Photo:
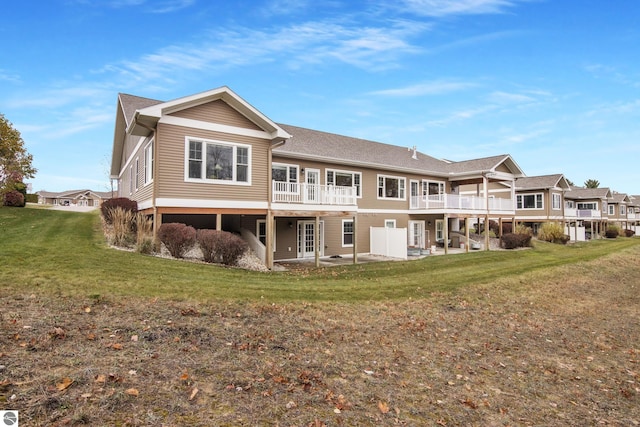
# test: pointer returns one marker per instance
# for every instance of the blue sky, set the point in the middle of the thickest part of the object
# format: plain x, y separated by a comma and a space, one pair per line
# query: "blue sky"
556, 84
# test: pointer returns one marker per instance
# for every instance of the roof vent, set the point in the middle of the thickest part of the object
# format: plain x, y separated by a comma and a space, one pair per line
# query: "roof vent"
415, 152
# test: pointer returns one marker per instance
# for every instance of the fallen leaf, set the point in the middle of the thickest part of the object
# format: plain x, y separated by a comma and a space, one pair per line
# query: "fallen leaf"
132, 392
101, 379
64, 384
193, 393
134, 338
87, 310
384, 407
117, 346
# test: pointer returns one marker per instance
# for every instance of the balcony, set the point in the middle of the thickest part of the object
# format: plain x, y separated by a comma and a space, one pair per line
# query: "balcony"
457, 202
313, 194
582, 213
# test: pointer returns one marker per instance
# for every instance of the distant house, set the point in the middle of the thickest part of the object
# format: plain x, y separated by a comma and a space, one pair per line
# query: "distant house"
588, 206
617, 207
73, 198
540, 199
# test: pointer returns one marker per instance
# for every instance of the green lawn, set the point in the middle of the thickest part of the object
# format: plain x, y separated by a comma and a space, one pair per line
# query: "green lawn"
65, 253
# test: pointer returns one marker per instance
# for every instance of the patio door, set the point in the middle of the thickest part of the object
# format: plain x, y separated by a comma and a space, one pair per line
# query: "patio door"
416, 234
312, 178
307, 239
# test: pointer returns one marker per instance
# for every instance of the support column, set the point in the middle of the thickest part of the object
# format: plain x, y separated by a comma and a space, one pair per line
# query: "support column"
268, 252
219, 221
466, 234
446, 234
486, 232
317, 241
355, 239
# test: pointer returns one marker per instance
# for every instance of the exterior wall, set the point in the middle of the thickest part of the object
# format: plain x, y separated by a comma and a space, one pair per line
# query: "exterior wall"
547, 213
217, 112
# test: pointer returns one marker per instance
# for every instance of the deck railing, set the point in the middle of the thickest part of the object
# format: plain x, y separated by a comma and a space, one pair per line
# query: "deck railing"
455, 201
313, 194
582, 213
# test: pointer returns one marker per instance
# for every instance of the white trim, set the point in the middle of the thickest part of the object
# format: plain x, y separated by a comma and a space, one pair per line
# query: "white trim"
210, 203
345, 171
146, 204
312, 207
133, 154
539, 217
399, 178
214, 127
390, 221
535, 201
148, 168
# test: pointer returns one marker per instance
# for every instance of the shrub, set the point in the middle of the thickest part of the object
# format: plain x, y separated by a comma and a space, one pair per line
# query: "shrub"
515, 240
612, 232
13, 198
221, 246
121, 202
553, 232
177, 237
122, 225
629, 233
507, 227
32, 198
522, 229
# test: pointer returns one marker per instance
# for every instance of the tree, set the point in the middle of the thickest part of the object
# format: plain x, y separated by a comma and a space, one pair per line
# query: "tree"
15, 161
592, 183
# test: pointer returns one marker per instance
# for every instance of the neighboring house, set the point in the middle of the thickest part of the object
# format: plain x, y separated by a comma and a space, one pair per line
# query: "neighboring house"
617, 206
212, 160
540, 199
633, 213
73, 198
588, 206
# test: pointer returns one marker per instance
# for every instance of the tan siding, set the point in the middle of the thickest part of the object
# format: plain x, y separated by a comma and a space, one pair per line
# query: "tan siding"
171, 162
217, 112
534, 212
503, 168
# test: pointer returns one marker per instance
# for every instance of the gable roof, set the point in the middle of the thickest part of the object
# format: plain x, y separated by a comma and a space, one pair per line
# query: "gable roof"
74, 194
618, 198
317, 145
542, 182
582, 193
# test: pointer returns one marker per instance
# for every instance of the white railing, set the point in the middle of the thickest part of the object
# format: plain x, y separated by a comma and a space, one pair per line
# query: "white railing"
582, 213
455, 201
632, 215
313, 194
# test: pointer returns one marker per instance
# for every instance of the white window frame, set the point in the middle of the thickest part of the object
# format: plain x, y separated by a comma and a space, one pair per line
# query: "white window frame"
556, 201
402, 187
264, 222
130, 179
330, 179
623, 210
390, 223
137, 180
205, 143
612, 209
520, 201
148, 163
352, 233
289, 167
587, 206
425, 189
439, 230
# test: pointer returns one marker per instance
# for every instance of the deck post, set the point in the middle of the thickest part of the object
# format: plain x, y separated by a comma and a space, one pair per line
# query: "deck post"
355, 239
445, 240
317, 241
466, 234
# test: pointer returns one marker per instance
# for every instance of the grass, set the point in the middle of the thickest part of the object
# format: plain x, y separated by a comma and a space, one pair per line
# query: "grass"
65, 253
95, 336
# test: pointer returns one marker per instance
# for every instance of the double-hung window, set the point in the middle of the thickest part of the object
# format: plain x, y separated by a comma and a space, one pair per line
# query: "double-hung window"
217, 161
148, 163
347, 233
391, 187
286, 175
342, 178
555, 201
529, 201
586, 206
623, 210
612, 209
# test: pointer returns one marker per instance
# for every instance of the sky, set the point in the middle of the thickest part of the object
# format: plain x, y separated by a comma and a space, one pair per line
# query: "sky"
553, 83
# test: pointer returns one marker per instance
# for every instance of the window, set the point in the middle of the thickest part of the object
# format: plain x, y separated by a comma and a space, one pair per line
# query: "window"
137, 173
529, 201
588, 206
148, 163
347, 233
131, 179
432, 190
623, 210
284, 173
390, 223
612, 209
391, 187
217, 161
341, 178
569, 204
556, 201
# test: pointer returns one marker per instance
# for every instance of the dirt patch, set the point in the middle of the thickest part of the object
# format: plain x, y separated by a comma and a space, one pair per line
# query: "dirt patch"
559, 352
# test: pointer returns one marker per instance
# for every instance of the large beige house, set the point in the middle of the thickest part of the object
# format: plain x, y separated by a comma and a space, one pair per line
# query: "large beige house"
212, 160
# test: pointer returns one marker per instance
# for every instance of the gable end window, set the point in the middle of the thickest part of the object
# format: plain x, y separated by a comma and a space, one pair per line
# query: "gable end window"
217, 161
529, 201
391, 187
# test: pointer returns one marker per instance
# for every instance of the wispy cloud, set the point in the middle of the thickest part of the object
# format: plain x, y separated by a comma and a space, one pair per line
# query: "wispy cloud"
440, 8
461, 115
6, 76
436, 87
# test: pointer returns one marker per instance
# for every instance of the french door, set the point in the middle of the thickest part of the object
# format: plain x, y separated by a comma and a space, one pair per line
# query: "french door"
307, 239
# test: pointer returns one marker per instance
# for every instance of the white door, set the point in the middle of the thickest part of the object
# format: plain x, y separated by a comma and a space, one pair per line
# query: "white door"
416, 234
307, 239
312, 178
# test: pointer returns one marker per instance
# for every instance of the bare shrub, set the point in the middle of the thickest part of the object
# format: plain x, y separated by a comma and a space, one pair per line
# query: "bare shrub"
515, 240
221, 246
177, 237
144, 234
629, 233
612, 231
122, 202
14, 198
